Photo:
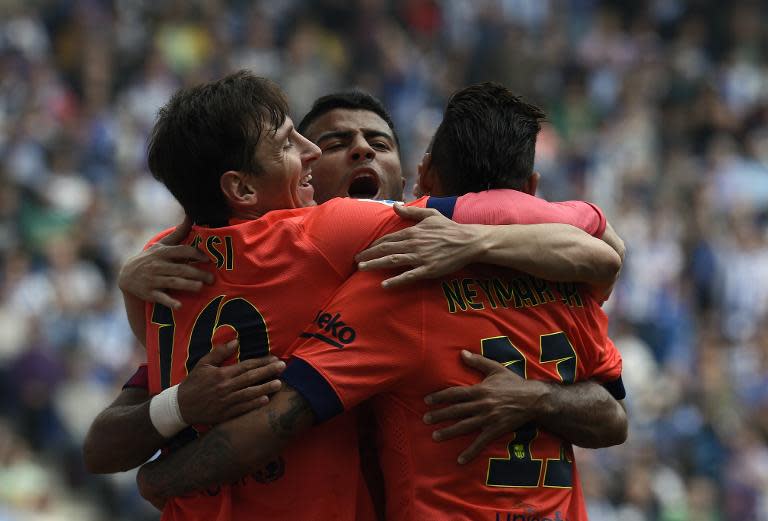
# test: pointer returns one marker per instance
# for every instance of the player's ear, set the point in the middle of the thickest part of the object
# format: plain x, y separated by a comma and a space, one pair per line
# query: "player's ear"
427, 177
238, 188
531, 184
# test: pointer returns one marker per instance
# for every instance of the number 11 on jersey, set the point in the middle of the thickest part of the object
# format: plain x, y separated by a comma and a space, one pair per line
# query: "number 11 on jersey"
520, 468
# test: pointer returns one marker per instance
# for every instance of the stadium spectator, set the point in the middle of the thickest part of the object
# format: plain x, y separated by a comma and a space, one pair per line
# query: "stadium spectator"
663, 125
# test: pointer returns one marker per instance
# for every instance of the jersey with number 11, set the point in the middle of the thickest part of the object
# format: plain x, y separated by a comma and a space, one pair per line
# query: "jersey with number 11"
406, 344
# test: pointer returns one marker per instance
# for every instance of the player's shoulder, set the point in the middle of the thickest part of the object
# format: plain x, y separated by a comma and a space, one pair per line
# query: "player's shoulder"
158, 237
498, 196
347, 210
249, 231
385, 202
348, 202
488, 199
287, 216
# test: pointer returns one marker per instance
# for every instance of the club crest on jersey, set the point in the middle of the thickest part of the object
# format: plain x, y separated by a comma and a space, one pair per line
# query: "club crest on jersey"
332, 330
519, 451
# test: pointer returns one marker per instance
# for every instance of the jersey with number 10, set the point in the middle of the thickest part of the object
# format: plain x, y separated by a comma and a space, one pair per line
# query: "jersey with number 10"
272, 274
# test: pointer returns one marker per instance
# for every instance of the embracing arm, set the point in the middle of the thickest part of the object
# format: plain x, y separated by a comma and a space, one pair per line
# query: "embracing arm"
611, 238
614, 241
584, 413
123, 436
229, 451
550, 251
164, 266
437, 246
134, 309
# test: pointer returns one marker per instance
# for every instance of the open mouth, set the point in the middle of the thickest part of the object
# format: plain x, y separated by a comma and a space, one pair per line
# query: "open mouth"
364, 186
305, 192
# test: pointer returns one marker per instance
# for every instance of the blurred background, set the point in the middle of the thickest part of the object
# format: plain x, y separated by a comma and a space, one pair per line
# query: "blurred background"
658, 112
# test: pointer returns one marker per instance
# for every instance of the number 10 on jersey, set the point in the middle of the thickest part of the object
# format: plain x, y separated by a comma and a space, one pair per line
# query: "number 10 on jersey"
237, 313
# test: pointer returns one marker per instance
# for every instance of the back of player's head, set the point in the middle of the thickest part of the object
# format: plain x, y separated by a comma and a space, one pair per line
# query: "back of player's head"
487, 140
350, 100
207, 130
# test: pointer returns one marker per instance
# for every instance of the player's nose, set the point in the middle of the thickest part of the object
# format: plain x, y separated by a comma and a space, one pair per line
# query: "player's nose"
360, 149
310, 151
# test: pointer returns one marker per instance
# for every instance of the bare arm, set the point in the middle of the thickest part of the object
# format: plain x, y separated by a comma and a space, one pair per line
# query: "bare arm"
551, 251
134, 309
229, 451
614, 241
583, 413
438, 246
122, 436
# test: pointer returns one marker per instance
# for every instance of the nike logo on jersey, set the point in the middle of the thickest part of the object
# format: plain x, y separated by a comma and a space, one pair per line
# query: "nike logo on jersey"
333, 330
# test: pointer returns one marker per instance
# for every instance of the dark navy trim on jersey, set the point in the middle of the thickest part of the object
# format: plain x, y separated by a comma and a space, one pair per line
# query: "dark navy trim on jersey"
444, 205
616, 388
139, 380
314, 388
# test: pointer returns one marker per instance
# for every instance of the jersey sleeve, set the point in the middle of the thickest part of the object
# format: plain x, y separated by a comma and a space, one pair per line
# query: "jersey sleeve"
581, 214
514, 207
607, 369
341, 228
350, 352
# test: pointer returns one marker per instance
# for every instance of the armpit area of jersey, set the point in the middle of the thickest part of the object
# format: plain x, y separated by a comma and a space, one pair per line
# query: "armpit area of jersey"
616, 388
139, 380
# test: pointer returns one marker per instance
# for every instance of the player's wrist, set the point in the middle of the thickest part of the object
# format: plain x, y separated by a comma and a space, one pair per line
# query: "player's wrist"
546, 403
485, 242
165, 413
190, 404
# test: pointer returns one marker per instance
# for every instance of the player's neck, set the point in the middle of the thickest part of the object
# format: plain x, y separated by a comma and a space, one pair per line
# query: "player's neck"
248, 214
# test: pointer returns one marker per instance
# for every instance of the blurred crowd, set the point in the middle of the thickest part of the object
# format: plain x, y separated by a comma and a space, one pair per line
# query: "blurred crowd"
657, 111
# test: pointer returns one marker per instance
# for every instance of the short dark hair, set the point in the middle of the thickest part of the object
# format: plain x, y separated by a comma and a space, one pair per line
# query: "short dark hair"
487, 140
206, 130
353, 100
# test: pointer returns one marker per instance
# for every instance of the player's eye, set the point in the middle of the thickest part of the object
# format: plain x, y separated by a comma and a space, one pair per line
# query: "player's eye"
333, 146
380, 145
288, 144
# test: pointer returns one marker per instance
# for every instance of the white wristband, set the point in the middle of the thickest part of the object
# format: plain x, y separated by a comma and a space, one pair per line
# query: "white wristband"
165, 413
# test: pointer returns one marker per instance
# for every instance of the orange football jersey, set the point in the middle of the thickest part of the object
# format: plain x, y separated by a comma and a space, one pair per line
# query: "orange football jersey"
272, 274
404, 344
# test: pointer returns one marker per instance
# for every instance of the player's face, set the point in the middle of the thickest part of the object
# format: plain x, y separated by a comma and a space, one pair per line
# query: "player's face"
360, 158
286, 159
